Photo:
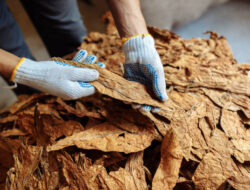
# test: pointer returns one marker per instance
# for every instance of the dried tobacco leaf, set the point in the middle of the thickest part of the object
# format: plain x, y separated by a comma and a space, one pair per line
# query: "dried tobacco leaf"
108, 181
233, 102
25, 103
132, 177
107, 137
241, 178
12, 132
135, 174
56, 128
75, 176
232, 126
213, 171
208, 76
8, 119
81, 112
167, 174
26, 162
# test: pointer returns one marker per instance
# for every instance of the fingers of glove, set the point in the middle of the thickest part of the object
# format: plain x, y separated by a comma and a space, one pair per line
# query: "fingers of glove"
91, 59
80, 55
100, 64
157, 77
79, 89
155, 109
146, 108
82, 74
159, 86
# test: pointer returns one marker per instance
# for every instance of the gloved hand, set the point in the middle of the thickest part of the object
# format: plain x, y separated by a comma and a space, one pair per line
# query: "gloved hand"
58, 78
143, 65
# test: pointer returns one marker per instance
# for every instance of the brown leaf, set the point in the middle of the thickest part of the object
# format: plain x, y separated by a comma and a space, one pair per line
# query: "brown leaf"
75, 177
213, 171
12, 132
26, 162
20, 105
135, 173
166, 175
241, 178
8, 119
132, 177
56, 128
81, 112
232, 125
108, 137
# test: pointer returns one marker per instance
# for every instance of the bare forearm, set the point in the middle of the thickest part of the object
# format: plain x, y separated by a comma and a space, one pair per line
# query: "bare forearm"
8, 62
128, 17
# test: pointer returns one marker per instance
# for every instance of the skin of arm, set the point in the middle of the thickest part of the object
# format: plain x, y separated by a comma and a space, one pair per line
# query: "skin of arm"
8, 62
128, 17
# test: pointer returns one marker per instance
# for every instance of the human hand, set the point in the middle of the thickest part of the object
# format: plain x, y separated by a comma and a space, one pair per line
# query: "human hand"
143, 64
58, 78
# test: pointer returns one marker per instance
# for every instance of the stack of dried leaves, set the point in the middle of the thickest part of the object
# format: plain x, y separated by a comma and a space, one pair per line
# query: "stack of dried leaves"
200, 138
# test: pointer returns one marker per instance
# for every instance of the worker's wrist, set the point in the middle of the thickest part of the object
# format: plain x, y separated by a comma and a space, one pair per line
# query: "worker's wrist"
135, 26
8, 62
133, 30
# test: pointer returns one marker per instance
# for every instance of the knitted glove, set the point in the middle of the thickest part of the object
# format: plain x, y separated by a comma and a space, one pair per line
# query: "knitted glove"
143, 64
57, 78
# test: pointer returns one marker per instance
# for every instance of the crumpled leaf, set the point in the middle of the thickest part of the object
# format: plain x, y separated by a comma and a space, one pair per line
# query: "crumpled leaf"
131, 177
26, 163
81, 112
213, 171
12, 132
56, 128
241, 178
135, 174
167, 174
107, 137
75, 176
26, 102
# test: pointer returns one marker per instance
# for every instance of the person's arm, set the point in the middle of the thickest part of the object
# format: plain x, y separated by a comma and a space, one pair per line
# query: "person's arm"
8, 62
128, 17
142, 62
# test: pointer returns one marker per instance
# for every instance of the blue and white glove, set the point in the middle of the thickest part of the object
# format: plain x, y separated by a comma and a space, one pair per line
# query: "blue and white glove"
57, 78
143, 65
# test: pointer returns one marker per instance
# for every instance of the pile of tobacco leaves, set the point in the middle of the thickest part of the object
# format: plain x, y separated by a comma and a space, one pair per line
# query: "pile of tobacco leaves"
200, 138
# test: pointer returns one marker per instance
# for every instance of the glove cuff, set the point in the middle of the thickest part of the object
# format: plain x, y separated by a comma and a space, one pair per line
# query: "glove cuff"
139, 43
25, 72
15, 69
124, 39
